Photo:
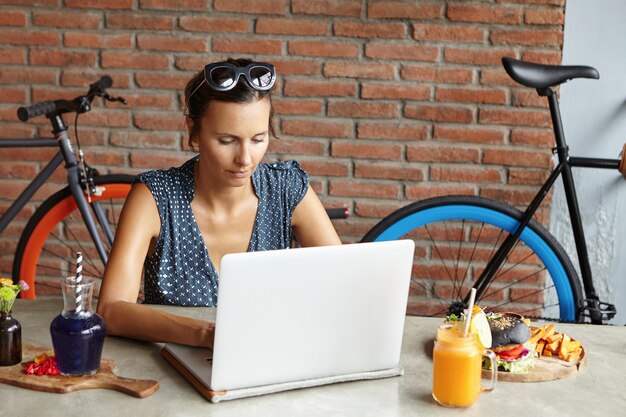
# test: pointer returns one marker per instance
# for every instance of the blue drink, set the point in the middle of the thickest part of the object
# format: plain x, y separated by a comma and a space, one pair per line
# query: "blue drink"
77, 333
78, 339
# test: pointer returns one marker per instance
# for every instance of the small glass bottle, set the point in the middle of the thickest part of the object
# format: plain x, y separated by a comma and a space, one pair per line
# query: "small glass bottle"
10, 340
457, 367
78, 332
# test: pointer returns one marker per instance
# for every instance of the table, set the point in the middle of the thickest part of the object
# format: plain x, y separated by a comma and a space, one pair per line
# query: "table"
598, 390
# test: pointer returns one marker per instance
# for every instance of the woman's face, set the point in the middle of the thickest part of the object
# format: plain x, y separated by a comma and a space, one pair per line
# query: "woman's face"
233, 139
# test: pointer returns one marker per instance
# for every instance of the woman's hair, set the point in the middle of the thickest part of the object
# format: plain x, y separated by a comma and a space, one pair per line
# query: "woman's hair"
197, 102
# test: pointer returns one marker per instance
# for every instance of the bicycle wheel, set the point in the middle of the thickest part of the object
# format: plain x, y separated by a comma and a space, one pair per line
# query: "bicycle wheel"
456, 236
47, 248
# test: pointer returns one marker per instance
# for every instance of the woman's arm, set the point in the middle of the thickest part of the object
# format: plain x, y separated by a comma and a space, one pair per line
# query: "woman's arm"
136, 234
311, 224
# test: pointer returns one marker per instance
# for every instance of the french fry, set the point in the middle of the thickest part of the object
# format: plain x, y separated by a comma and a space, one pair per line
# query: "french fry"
548, 342
564, 348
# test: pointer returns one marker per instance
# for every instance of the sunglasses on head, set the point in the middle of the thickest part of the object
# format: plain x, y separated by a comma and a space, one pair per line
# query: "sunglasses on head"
223, 76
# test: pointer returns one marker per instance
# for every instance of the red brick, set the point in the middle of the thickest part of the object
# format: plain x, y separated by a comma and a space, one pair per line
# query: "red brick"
92, 40
544, 17
376, 210
114, 59
82, 78
395, 50
375, 110
508, 195
160, 121
155, 101
214, 24
370, 30
438, 113
297, 67
327, 7
195, 62
465, 174
12, 18
424, 153
316, 128
162, 81
251, 7
404, 10
73, 20
139, 21
174, 4
326, 168
539, 2
368, 151
172, 43
312, 88
527, 37
496, 77
20, 75
106, 118
100, 4
29, 37
437, 75
144, 140
470, 95
352, 70
395, 91
491, 56
514, 117
290, 26
16, 131
464, 34
528, 97
247, 45
533, 137
62, 58
427, 190
543, 57
12, 56
387, 171
479, 13
297, 107
297, 147
469, 134
515, 157
27, 154
155, 160
527, 177
18, 170
361, 189
395, 131
13, 94
323, 49
48, 93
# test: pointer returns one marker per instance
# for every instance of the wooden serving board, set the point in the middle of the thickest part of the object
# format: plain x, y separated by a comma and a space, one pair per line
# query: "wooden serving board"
104, 378
545, 369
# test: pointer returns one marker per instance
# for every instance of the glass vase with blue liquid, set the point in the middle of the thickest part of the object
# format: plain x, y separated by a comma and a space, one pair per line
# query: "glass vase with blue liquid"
78, 332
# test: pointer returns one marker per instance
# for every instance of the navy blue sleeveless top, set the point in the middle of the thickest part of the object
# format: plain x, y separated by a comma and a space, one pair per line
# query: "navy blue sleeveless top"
180, 271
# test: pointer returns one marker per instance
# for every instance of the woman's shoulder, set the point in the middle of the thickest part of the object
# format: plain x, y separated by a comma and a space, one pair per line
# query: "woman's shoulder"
280, 168
166, 176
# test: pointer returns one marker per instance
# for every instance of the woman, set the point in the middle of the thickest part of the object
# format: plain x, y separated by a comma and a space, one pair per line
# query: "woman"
182, 221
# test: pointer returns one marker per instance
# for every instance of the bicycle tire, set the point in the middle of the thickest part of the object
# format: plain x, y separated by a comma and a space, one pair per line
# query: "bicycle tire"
550, 275
46, 249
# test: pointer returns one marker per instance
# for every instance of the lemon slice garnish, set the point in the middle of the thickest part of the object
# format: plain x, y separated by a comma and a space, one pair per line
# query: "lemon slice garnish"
480, 326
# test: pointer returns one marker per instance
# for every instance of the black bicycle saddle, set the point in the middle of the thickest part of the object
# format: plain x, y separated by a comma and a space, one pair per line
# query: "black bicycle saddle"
544, 76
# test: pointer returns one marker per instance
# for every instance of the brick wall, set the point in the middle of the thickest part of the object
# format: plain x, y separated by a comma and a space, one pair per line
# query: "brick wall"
383, 102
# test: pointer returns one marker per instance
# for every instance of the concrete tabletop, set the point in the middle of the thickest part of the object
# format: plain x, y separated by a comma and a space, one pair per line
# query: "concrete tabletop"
597, 390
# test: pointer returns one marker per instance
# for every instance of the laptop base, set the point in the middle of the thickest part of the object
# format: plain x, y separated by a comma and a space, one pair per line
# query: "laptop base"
217, 396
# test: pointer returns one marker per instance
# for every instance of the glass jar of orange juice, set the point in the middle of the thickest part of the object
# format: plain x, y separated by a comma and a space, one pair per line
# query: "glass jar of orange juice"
457, 367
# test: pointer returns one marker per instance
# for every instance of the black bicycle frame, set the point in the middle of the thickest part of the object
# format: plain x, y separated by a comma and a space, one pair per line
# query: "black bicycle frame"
564, 169
66, 154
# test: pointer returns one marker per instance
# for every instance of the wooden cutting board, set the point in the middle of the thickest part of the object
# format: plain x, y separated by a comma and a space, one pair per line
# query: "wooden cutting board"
104, 378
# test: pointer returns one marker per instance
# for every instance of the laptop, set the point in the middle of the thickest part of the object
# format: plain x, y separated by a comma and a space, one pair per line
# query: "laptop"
303, 317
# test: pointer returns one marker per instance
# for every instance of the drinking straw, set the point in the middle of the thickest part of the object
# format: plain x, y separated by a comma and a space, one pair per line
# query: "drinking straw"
470, 308
79, 279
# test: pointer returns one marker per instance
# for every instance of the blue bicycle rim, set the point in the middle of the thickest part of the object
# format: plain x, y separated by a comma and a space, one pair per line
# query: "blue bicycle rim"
503, 221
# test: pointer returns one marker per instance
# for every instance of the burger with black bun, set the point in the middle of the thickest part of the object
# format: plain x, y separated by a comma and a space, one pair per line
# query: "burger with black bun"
509, 335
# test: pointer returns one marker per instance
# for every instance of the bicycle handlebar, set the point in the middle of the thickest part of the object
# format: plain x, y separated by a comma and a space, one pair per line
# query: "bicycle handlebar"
79, 104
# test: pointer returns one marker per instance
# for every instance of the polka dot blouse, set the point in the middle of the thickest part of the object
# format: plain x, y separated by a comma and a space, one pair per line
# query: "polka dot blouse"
180, 271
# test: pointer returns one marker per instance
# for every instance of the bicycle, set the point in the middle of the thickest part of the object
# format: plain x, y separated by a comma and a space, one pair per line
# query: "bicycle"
81, 216
512, 261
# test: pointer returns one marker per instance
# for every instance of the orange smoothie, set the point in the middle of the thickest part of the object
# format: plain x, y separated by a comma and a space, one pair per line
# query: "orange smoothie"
457, 364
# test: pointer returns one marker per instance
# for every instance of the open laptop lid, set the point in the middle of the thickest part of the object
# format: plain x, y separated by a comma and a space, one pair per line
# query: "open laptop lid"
306, 313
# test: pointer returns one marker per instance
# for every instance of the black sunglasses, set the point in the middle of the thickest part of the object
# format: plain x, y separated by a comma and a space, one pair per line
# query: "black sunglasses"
223, 76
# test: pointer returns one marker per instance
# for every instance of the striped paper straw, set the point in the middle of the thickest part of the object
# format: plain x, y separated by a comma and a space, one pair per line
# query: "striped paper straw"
79, 279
